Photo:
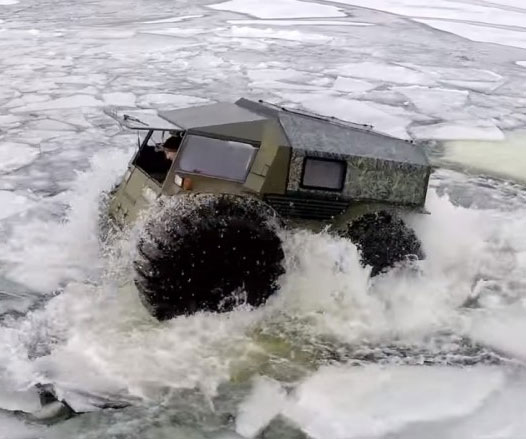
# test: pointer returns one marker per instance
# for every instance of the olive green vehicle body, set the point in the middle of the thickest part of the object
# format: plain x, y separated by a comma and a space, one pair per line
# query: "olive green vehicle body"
368, 171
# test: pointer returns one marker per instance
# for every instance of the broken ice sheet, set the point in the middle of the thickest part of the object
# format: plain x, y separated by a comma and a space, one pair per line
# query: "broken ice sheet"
460, 130
279, 8
383, 72
385, 118
437, 102
484, 34
13, 156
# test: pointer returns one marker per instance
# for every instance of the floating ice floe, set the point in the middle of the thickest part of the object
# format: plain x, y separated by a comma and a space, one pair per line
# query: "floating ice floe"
301, 22
13, 156
461, 130
173, 19
75, 101
279, 8
119, 99
521, 63
476, 22
456, 10
177, 100
383, 72
352, 85
8, 2
291, 35
177, 32
438, 102
12, 204
480, 33
385, 118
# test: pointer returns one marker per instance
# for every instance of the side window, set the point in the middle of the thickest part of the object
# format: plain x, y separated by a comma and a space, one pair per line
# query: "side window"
153, 158
226, 159
324, 174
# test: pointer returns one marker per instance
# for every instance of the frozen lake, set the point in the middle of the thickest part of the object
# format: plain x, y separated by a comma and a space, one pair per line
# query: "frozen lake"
334, 354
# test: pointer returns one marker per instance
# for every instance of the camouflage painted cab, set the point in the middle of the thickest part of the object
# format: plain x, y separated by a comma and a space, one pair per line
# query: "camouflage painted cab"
229, 173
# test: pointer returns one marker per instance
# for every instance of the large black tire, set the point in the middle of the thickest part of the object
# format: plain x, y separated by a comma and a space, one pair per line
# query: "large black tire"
384, 241
206, 252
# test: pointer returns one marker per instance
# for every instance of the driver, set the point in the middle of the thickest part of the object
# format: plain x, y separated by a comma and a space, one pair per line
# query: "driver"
171, 146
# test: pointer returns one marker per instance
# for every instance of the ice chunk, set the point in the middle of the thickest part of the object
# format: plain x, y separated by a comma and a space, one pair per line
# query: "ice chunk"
434, 101
448, 10
173, 19
49, 125
279, 8
385, 118
301, 22
120, 99
174, 100
485, 34
15, 155
8, 2
10, 120
502, 158
383, 72
355, 402
76, 101
352, 85
521, 63
12, 204
12, 398
461, 130
176, 32
291, 35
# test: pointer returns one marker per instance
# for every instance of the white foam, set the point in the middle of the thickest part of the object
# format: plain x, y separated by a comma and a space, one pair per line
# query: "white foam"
13, 156
461, 130
279, 8
12, 428
43, 253
266, 400
8, 2
485, 34
354, 402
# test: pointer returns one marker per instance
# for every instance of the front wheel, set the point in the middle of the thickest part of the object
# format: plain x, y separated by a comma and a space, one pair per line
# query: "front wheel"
207, 252
383, 240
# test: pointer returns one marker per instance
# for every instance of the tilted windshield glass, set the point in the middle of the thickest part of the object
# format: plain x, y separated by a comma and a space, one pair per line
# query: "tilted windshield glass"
217, 158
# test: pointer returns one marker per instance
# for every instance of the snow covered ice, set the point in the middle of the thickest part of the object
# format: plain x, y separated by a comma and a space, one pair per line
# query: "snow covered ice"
334, 355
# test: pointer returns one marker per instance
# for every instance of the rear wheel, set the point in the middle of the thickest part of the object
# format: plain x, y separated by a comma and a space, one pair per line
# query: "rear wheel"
208, 252
384, 240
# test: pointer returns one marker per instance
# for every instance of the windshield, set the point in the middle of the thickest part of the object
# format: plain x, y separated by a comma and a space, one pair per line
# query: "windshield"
225, 159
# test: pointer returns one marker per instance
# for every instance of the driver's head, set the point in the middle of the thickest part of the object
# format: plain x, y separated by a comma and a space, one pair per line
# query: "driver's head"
171, 146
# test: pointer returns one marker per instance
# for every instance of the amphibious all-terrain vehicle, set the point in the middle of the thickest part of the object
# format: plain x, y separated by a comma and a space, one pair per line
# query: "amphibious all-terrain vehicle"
225, 177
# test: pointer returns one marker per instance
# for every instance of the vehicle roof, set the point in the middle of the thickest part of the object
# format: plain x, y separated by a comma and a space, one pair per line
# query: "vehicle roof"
210, 115
303, 131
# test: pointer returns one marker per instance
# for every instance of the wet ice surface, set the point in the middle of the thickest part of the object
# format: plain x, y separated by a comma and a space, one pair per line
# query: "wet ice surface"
433, 355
